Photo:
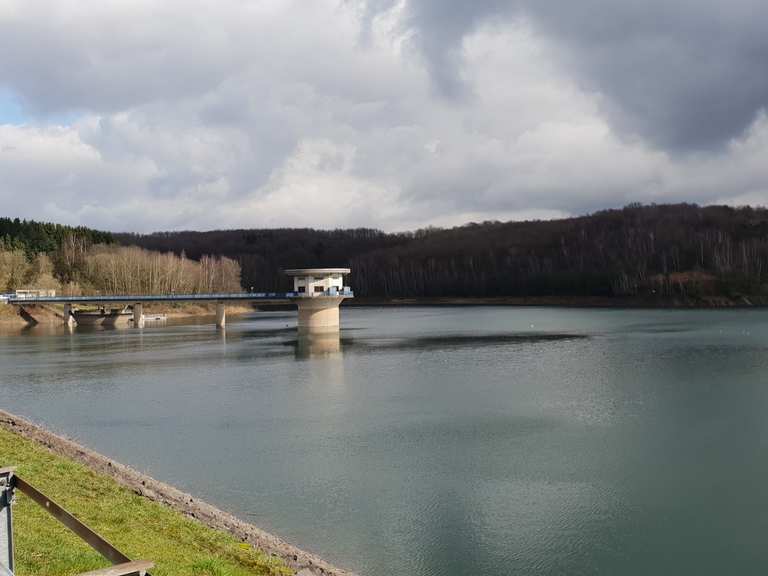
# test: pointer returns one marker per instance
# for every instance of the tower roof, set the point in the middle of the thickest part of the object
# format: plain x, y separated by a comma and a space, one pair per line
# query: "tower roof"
316, 271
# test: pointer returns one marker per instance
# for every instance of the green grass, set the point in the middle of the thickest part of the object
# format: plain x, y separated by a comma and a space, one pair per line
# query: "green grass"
142, 529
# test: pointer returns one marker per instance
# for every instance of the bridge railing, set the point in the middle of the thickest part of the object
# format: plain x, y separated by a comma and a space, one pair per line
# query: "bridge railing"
212, 297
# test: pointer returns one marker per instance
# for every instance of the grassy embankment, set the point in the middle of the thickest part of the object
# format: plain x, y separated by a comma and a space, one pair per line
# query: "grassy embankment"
142, 529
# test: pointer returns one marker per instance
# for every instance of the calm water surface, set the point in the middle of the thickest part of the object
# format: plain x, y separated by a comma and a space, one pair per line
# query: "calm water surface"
441, 441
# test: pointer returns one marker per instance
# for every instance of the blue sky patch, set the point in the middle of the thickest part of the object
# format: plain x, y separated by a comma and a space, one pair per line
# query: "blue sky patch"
10, 109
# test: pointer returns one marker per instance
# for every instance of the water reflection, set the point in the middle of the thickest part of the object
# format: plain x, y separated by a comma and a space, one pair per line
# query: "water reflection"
13, 329
440, 441
266, 332
318, 345
460, 340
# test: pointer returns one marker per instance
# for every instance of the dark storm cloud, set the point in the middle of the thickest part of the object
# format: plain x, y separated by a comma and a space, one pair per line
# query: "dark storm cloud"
682, 74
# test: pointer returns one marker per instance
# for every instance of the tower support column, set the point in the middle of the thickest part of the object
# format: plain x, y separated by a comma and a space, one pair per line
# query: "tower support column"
138, 315
221, 315
319, 314
69, 319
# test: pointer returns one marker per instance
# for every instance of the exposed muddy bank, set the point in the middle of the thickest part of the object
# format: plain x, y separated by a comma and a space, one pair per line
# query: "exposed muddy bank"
194, 309
303, 562
29, 315
53, 314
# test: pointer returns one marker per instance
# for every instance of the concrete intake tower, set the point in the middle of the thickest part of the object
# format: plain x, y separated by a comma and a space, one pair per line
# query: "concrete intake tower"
319, 293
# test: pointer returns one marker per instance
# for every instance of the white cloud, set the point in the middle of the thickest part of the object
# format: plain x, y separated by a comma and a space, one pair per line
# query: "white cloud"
206, 115
315, 187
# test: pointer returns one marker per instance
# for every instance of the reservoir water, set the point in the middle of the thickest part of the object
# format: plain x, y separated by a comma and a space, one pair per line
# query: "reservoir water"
440, 441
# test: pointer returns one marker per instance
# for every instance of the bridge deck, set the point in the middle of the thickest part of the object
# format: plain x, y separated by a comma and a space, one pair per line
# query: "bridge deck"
138, 298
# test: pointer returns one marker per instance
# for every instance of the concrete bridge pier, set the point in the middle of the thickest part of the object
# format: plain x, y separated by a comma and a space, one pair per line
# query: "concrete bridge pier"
319, 315
221, 315
69, 318
138, 315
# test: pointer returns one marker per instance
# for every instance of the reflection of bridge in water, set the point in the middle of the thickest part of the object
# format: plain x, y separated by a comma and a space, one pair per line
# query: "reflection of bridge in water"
318, 293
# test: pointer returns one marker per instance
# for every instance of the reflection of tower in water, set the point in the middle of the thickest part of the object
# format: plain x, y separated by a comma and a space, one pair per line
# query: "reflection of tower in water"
325, 358
318, 345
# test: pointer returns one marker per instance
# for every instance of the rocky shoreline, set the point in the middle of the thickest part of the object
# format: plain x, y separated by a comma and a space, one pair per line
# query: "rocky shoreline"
304, 563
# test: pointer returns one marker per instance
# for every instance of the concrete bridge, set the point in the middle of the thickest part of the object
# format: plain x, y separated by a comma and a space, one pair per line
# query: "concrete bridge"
318, 293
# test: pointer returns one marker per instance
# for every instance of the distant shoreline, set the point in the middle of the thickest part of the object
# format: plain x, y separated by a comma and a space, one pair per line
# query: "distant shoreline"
710, 302
195, 310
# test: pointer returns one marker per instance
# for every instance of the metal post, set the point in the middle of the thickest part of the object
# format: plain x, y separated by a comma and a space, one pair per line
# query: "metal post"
6, 521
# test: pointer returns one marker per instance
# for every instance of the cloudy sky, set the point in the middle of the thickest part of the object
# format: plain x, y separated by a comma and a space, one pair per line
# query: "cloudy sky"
140, 115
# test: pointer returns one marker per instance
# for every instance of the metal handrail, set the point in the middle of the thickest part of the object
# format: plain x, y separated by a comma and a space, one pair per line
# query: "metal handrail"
10, 482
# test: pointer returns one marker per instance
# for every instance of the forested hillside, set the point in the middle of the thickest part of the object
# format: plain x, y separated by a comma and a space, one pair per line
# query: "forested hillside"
639, 251
81, 260
262, 254
36, 237
651, 251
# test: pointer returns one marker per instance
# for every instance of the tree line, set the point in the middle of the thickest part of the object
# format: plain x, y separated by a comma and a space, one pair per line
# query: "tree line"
655, 250
81, 260
44, 237
677, 250
263, 254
